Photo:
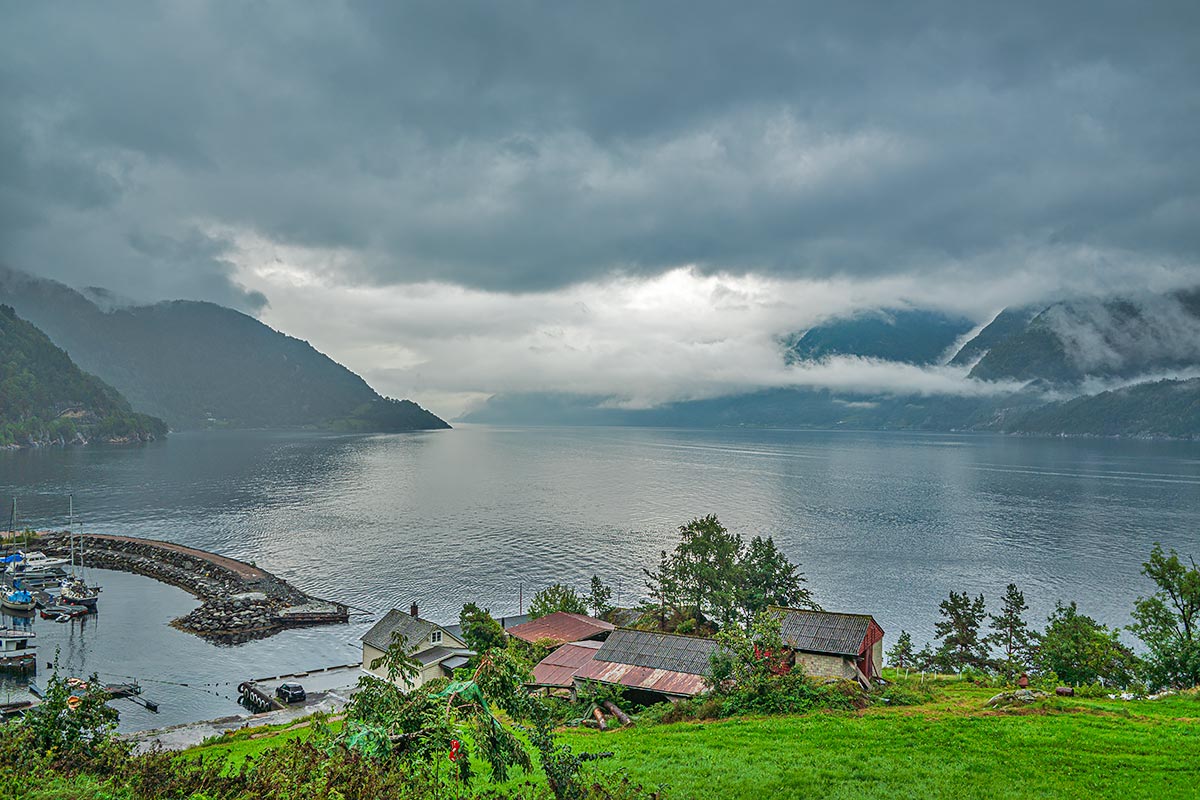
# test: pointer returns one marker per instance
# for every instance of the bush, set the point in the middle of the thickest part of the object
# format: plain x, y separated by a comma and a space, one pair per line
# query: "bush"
904, 694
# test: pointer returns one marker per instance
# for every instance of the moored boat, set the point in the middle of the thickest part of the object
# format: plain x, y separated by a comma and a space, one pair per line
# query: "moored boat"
17, 599
15, 651
63, 612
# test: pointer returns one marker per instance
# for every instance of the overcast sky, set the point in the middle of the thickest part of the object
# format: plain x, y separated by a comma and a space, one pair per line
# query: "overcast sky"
456, 199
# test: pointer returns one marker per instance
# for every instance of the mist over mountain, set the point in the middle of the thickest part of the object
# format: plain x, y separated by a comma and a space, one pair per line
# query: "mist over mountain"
1091, 366
197, 364
1111, 338
911, 336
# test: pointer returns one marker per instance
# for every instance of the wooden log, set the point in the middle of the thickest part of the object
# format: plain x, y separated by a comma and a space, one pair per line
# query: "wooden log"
617, 712
599, 715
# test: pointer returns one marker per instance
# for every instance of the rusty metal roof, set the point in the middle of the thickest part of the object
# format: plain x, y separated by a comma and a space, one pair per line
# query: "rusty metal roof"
661, 651
558, 669
680, 684
824, 631
561, 627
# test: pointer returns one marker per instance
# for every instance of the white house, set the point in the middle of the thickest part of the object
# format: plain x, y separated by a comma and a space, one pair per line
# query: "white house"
437, 650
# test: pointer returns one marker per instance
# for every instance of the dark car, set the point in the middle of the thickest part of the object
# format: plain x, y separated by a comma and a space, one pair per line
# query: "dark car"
291, 692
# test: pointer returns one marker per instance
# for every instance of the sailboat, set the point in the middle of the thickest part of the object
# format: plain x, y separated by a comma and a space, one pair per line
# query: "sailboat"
29, 564
74, 591
17, 598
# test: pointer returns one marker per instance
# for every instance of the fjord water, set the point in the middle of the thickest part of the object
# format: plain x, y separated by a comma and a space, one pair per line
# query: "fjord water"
881, 522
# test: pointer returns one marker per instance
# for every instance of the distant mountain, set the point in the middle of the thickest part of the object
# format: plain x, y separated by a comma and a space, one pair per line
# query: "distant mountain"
913, 336
1113, 338
1008, 322
198, 364
45, 397
1167, 408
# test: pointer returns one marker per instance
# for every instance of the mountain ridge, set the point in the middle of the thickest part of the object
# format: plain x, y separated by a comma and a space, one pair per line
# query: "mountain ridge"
198, 364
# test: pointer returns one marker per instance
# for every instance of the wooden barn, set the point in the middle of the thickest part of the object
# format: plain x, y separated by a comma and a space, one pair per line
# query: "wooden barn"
834, 645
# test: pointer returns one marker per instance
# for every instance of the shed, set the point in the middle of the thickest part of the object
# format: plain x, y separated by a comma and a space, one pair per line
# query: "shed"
562, 627
666, 664
834, 644
557, 670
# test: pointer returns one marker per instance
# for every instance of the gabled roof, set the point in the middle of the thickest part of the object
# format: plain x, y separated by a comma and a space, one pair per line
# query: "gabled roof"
559, 668
561, 627
656, 650
824, 631
414, 629
658, 662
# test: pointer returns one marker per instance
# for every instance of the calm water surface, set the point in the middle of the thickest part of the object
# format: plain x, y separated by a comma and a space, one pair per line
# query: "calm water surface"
879, 522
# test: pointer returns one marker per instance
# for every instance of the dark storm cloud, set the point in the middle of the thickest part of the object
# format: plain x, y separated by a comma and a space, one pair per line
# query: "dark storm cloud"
521, 146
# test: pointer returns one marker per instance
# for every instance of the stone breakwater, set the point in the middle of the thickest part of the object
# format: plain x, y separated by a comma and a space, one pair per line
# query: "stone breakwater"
240, 601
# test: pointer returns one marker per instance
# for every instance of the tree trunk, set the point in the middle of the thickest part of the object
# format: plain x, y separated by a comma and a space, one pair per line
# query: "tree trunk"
599, 715
617, 712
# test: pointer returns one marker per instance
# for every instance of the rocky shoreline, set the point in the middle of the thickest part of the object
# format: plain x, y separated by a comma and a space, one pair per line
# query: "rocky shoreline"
240, 601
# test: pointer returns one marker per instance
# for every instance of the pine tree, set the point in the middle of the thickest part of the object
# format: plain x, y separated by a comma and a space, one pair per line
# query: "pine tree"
1011, 635
959, 631
901, 654
600, 597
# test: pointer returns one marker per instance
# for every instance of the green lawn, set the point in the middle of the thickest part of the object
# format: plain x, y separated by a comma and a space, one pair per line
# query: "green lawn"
952, 747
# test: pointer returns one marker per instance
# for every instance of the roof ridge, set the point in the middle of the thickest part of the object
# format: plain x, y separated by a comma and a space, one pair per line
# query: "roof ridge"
822, 611
667, 633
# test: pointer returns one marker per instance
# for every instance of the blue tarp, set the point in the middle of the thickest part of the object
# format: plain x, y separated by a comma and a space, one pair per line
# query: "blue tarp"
12, 558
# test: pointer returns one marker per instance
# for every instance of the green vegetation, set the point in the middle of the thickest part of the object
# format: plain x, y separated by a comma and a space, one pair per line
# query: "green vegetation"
556, 597
45, 397
1168, 621
1162, 408
713, 577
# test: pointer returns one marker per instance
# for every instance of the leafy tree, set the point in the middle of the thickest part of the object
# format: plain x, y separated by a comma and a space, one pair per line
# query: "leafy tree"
925, 659
83, 730
480, 629
901, 654
556, 597
713, 575
707, 569
401, 667
1011, 635
1081, 651
600, 597
1168, 621
959, 631
769, 579
747, 656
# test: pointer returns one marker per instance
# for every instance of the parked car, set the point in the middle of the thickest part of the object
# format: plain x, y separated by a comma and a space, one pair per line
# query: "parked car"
291, 693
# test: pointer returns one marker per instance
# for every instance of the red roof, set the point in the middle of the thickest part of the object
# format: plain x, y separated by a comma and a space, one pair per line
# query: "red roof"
558, 669
561, 627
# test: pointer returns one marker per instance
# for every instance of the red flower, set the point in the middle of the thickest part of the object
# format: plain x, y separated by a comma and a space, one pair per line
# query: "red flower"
454, 748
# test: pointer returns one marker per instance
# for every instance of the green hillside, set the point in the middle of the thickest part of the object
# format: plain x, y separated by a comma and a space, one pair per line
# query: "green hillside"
45, 397
1162, 408
199, 364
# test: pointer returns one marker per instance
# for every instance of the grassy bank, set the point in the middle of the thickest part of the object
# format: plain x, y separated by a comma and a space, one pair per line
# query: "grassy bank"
951, 747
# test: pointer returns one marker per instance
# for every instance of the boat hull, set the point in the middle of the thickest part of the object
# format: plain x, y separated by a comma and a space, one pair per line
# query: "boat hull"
13, 605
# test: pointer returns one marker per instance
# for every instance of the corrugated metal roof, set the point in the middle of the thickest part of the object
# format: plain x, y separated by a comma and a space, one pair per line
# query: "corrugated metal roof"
558, 669
680, 684
658, 651
824, 631
414, 629
561, 627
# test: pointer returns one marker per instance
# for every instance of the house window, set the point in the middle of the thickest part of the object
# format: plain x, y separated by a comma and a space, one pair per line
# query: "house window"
435, 637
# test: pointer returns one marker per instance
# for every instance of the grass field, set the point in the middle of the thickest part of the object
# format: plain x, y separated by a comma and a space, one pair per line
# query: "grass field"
952, 747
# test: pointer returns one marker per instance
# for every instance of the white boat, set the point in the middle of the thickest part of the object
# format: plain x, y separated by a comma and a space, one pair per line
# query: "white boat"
36, 561
15, 650
17, 599
77, 593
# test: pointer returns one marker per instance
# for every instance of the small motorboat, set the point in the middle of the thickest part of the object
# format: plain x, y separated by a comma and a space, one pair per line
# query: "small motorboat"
61, 612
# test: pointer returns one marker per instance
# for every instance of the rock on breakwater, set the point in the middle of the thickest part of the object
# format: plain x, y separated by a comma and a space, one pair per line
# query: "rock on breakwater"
240, 601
